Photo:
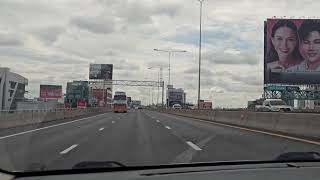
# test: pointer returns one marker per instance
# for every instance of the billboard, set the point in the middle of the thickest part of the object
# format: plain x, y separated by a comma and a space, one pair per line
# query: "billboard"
292, 51
81, 103
50, 91
101, 71
175, 97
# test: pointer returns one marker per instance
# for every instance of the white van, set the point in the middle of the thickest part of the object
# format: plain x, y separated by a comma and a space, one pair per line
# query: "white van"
176, 106
276, 105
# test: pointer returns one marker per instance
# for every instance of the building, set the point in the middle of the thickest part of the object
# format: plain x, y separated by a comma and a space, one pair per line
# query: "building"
101, 97
12, 89
175, 96
100, 94
309, 104
77, 91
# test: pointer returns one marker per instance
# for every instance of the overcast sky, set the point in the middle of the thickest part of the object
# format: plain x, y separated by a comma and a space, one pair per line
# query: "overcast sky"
53, 42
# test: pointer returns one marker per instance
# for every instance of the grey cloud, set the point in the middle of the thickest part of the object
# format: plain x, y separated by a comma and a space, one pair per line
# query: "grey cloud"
249, 80
9, 40
49, 34
98, 25
231, 59
194, 70
125, 65
167, 9
138, 12
224, 85
33, 56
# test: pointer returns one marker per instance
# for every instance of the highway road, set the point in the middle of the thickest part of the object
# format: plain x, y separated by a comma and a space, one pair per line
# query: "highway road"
139, 137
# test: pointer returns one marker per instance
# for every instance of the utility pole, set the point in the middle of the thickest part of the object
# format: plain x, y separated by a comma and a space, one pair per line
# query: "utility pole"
199, 79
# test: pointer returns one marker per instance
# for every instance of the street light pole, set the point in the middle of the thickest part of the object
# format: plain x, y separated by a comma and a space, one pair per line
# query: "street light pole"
169, 66
201, 1
170, 51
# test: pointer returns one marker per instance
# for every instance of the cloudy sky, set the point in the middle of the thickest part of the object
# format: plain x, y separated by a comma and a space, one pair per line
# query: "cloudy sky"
53, 42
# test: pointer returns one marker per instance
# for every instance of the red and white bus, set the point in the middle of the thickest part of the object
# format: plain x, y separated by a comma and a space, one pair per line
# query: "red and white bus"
120, 102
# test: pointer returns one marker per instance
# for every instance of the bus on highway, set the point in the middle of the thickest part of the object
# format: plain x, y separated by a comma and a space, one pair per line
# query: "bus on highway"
120, 102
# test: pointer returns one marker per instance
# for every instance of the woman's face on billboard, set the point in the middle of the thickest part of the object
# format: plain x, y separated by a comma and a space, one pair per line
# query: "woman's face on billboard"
310, 47
284, 42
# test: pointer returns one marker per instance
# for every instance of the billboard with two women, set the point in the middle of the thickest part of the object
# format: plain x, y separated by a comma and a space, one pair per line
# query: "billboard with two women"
292, 51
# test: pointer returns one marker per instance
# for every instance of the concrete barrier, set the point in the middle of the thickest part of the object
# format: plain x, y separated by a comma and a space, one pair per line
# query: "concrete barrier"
296, 124
19, 118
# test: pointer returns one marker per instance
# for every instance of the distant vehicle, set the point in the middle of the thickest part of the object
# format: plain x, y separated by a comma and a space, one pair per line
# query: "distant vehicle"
176, 106
275, 105
120, 102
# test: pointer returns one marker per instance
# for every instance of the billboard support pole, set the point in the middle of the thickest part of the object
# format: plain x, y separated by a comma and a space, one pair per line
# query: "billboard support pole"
162, 83
103, 92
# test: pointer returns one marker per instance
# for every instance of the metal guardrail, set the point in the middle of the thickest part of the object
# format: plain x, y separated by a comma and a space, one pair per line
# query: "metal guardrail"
306, 111
47, 110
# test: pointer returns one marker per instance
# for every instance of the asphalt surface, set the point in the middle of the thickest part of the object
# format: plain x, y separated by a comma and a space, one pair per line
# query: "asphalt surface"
136, 138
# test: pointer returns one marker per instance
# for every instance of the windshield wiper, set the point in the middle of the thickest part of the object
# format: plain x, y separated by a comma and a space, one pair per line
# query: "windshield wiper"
97, 164
299, 156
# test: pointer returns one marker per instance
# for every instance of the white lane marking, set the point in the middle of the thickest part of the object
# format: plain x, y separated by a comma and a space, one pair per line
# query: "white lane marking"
158, 121
195, 147
101, 129
112, 121
168, 127
68, 149
263, 132
47, 127
253, 130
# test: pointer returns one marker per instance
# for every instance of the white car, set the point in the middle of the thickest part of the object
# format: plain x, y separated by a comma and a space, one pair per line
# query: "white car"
276, 105
176, 106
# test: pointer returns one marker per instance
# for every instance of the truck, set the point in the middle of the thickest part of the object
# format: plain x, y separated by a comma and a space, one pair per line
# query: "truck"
119, 102
274, 105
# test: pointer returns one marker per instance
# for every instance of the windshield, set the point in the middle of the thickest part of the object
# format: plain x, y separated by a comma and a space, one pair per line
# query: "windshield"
119, 97
275, 103
103, 83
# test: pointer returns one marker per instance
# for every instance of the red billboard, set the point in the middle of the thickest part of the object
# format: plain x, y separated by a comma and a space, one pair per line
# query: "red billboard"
81, 103
67, 105
50, 91
292, 51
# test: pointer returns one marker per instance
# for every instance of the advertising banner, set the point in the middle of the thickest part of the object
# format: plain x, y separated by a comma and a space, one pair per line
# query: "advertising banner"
292, 51
67, 105
81, 103
50, 91
101, 71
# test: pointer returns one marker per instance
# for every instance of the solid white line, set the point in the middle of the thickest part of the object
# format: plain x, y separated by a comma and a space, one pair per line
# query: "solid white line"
38, 129
101, 129
68, 149
158, 121
168, 127
112, 122
267, 133
195, 147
